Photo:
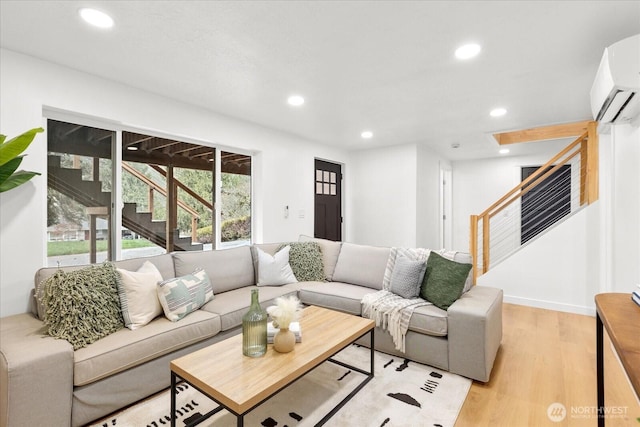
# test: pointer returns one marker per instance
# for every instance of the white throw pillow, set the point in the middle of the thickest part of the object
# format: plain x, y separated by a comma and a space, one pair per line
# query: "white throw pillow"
138, 296
275, 270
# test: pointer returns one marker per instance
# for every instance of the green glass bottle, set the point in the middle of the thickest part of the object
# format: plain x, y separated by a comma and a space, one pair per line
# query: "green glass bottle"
254, 328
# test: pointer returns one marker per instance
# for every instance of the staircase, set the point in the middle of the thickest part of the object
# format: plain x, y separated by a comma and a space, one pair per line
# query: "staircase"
89, 193
557, 190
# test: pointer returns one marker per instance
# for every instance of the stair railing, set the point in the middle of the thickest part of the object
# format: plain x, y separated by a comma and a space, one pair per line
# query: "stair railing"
153, 186
494, 237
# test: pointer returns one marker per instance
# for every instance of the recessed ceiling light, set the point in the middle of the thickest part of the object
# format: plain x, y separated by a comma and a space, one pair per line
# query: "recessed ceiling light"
497, 112
132, 148
504, 151
468, 51
96, 18
295, 100
367, 134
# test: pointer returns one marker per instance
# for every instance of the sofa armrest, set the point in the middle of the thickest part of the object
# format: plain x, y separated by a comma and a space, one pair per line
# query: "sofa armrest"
36, 374
475, 332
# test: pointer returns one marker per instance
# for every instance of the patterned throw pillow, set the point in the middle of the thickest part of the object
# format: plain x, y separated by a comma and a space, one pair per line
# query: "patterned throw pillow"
275, 270
82, 306
407, 277
185, 294
138, 295
444, 281
306, 261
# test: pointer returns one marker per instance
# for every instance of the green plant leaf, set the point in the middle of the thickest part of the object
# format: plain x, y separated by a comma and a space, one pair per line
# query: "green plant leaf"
15, 146
8, 168
17, 179
2, 138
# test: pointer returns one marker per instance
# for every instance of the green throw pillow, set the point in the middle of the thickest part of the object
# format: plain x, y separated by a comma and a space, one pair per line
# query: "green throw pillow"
82, 306
305, 259
444, 280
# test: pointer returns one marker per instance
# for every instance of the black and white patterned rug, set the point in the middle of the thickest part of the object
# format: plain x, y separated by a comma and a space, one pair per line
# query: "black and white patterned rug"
402, 393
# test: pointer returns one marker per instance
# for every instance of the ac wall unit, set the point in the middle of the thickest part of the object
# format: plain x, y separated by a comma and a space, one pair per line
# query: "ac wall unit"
615, 94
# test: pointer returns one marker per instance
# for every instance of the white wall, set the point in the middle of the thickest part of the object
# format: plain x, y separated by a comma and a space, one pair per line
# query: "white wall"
625, 225
283, 172
597, 250
428, 221
395, 196
383, 197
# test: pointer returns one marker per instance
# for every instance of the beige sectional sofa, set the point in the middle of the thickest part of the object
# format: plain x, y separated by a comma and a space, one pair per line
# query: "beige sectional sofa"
43, 381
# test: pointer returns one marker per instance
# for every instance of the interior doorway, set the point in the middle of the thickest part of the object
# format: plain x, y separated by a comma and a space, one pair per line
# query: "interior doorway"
328, 200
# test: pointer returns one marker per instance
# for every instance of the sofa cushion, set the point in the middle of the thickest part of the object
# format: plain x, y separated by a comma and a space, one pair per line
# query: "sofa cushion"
227, 268
330, 252
339, 296
232, 305
138, 295
305, 259
407, 277
429, 320
126, 348
361, 265
444, 280
82, 306
183, 295
275, 270
164, 263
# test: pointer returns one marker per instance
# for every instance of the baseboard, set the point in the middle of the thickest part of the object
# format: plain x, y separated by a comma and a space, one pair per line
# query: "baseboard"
550, 305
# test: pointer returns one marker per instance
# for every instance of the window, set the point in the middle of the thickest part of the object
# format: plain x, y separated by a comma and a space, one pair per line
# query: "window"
79, 197
167, 189
235, 193
167, 193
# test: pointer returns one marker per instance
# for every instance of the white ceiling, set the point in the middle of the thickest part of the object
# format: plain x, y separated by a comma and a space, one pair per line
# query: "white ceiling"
386, 66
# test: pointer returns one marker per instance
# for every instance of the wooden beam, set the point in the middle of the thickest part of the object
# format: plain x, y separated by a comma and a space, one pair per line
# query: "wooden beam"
592, 163
473, 246
544, 133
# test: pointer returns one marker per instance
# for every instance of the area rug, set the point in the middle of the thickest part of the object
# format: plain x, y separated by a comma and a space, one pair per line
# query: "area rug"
402, 393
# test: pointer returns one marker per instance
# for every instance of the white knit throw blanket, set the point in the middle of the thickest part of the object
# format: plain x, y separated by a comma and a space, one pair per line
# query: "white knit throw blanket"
392, 313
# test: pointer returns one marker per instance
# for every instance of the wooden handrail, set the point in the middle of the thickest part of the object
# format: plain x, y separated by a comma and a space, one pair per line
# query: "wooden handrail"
530, 187
585, 146
160, 189
535, 175
184, 187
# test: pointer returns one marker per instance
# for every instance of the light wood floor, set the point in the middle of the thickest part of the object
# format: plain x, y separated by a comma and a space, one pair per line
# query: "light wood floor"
546, 357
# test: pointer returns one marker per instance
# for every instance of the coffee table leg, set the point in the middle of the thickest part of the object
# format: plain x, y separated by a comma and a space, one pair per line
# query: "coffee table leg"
372, 353
173, 399
600, 368
240, 420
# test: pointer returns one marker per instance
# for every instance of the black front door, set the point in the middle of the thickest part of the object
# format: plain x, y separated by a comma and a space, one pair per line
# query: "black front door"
328, 200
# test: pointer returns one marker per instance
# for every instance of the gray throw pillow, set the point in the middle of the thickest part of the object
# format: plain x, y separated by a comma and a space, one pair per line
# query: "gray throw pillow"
407, 277
444, 281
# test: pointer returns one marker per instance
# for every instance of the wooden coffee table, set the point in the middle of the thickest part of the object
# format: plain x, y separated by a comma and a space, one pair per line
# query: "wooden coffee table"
239, 383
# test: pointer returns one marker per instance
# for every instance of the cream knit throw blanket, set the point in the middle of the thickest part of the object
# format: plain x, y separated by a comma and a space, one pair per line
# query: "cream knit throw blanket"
390, 311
